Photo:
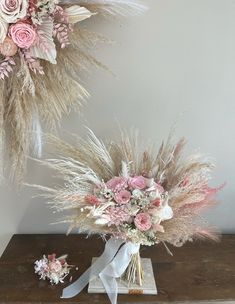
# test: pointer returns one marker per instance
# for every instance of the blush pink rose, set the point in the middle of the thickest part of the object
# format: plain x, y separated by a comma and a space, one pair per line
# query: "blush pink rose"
122, 197
55, 266
117, 183
137, 182
23, 34
143, 221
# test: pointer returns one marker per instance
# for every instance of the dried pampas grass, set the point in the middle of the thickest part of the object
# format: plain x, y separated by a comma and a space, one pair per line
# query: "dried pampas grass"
28, 99
91, 162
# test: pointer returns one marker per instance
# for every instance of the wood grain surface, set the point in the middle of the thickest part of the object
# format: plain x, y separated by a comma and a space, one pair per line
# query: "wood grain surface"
199, 272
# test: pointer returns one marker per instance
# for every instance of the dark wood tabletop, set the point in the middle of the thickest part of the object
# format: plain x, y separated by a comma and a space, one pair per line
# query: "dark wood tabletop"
198, 272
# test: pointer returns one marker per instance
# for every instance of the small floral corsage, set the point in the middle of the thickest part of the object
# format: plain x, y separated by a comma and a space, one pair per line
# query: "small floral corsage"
52, 268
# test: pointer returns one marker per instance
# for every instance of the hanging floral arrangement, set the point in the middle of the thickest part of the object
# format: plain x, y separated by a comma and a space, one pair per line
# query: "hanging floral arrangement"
42, 51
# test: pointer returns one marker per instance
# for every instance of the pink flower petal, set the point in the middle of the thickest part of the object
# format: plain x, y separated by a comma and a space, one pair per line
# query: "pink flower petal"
122, 197
137, 182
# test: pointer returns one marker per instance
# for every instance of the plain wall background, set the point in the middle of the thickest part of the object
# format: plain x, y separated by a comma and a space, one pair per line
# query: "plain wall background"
176, 63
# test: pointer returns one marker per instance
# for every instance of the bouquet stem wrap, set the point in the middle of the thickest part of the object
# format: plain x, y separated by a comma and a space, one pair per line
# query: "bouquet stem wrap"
109, 266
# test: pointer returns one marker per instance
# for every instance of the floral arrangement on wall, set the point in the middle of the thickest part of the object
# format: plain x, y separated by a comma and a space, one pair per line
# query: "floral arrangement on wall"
42, 51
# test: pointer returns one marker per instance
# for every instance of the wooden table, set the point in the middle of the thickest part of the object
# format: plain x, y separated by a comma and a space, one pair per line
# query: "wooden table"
199, 272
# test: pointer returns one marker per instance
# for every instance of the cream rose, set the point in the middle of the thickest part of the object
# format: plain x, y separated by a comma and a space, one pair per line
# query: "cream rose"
13, 10
23, 34
3, 30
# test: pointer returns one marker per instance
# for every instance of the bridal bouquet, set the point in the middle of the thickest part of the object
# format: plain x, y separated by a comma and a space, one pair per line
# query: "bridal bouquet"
137, 196
130, 207
42, 52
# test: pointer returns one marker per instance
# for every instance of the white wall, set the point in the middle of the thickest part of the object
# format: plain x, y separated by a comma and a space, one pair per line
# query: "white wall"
174, 64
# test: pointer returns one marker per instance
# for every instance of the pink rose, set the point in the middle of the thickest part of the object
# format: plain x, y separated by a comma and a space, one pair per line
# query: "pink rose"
92, 200
122, 197
117, 183
23, 34
13, 10
55, 266
143, 221
137, 182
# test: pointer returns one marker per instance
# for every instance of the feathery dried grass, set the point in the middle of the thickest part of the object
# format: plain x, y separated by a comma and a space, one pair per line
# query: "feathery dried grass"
28, 99
90, 162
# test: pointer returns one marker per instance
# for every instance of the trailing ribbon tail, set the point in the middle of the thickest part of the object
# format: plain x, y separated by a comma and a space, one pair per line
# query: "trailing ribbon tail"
36, 134
116, 268
107, 256
109, 266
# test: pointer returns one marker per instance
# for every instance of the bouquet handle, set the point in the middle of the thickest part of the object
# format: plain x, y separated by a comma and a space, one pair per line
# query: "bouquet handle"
109, 266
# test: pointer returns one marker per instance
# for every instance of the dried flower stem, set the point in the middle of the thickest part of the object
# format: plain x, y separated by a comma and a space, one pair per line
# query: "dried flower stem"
134, 273
6, 67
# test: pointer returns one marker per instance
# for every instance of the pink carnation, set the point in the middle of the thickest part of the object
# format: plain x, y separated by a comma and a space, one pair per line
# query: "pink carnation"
23, 34
117, 216
122, 197
138, 182
143, 221
117, 183
92, 200
156, 203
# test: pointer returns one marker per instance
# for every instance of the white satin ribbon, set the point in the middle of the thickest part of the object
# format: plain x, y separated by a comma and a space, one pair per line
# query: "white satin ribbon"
36, 134
116, 268
109, 266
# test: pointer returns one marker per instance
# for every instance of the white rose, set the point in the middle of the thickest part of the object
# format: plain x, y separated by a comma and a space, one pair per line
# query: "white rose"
13, 10
3, 30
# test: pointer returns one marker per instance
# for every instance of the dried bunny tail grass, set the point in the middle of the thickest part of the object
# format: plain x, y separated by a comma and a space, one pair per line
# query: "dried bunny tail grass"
111, 7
